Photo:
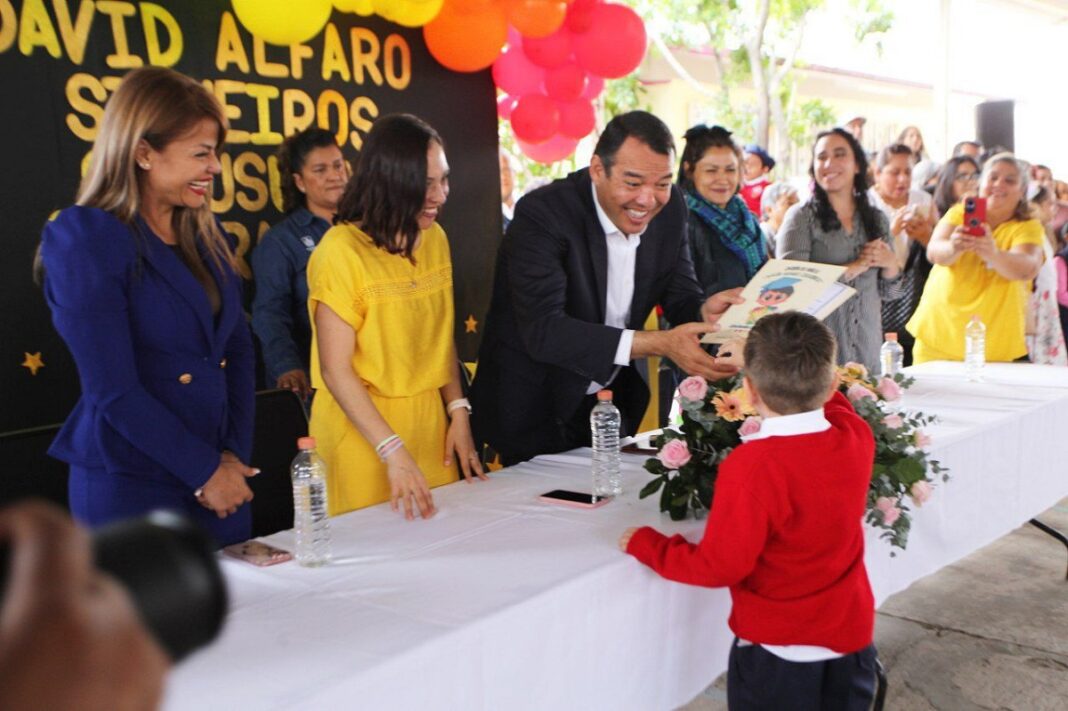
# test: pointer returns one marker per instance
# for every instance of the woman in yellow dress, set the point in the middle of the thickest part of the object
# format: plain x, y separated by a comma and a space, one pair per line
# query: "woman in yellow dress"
987, 275
389, 416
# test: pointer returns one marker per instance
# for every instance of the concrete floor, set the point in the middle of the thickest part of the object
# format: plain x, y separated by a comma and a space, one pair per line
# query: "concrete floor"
989, 632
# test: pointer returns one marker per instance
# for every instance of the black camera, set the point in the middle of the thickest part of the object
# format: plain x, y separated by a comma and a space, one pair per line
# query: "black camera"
168, 567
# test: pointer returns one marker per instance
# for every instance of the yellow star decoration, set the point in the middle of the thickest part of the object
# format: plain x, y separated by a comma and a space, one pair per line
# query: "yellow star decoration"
471, 325
33, 362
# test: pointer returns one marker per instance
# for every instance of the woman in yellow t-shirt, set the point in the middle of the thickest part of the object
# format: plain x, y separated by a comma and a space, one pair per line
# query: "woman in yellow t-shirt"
985, 275
383, 357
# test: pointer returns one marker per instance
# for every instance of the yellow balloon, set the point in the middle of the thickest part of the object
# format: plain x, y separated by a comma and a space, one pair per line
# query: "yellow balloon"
283, 21
410, 13
363, 8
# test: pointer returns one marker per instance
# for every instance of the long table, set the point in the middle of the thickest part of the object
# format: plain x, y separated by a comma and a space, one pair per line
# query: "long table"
503, 602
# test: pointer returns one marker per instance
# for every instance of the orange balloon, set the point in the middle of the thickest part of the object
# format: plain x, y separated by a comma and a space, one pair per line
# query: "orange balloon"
536, 18
466, 42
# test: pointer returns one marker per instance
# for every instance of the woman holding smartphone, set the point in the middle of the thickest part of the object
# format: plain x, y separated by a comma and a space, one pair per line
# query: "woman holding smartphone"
389, 416
839, 225
981, 274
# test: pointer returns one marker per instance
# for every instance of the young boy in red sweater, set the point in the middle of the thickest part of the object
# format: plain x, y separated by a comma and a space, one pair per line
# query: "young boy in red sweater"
785, 532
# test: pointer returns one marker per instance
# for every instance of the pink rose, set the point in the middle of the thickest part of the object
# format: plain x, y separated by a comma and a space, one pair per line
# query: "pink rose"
674, 454
894, 422
750, 427
889, 389
920, 492
858, 392
693, 388
922, 439
888, 508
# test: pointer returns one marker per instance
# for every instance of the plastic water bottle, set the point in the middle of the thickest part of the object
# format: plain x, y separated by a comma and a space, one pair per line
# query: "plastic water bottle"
311, 521
604, 428
891, 356
974, 348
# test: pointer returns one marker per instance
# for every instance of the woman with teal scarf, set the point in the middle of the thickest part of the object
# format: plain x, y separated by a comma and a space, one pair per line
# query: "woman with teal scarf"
726, 243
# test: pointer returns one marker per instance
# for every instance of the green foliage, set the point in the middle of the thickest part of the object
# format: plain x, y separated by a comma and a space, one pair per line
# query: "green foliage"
807, 120
899, 463
729, 27
622, 95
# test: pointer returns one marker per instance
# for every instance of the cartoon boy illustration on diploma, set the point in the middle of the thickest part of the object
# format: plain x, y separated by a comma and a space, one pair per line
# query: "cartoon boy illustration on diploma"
772, 295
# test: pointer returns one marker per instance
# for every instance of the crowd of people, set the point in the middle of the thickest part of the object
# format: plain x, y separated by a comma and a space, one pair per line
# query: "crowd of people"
353, 304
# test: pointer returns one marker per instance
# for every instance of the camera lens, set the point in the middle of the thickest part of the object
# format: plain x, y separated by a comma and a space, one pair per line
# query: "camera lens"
169, 568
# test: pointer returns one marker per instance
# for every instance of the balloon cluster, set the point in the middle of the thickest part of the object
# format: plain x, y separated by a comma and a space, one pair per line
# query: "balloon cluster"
556, 56
549, 57
287, 22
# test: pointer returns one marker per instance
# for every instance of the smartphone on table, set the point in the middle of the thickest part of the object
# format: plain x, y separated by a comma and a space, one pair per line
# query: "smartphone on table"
258, 553
577, 499
974, 215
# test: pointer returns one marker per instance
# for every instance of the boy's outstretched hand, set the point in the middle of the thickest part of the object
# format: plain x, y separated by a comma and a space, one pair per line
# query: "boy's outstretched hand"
624, 540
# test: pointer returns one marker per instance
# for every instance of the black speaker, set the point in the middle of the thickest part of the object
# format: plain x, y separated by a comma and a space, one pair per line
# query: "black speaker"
994, 124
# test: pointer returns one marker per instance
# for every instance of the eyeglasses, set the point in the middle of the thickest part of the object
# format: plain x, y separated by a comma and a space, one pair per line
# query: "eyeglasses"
966, 178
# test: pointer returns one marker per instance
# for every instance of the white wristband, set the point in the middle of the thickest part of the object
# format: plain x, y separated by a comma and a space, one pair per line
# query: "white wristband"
457, 404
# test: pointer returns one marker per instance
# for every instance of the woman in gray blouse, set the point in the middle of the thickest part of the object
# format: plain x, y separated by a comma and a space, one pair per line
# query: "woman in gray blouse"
838, 225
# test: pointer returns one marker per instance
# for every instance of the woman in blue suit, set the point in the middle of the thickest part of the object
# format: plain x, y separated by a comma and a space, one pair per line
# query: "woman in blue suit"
141, 283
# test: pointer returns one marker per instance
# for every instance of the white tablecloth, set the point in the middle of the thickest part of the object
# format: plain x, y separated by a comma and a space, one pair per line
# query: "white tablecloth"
503, 602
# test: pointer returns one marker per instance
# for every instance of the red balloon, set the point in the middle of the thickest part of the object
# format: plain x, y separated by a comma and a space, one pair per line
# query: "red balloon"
514, 74
535, 18
615, 45
550, 51
535, 118
556, 148
565, 83
505, 106
594, 87
577, 118
580, 15
466, 42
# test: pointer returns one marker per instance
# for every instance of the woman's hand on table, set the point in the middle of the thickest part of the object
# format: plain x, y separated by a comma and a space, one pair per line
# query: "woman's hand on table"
408, 486
458, 440
227, 489
624, 540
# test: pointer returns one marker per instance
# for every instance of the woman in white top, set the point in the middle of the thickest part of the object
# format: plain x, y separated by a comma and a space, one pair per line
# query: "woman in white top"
912, 219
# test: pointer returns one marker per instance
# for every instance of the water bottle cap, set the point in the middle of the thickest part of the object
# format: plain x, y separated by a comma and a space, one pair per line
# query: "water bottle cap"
604, 395
890, 337
306, 443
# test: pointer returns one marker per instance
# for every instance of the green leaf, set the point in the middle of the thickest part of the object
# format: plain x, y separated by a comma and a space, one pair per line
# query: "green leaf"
651, 488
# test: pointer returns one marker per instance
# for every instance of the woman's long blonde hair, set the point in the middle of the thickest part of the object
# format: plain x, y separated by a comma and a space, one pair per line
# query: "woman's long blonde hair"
156, 105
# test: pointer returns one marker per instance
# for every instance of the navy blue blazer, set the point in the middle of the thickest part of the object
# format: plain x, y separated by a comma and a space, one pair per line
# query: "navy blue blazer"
166, 387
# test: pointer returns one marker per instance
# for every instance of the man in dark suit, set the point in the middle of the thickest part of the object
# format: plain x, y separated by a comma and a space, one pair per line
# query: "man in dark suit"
584, 261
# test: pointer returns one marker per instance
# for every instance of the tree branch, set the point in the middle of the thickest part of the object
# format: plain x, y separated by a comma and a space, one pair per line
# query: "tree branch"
665, 51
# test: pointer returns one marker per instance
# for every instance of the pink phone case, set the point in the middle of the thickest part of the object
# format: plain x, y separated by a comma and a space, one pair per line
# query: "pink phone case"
575, 504
258, 553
